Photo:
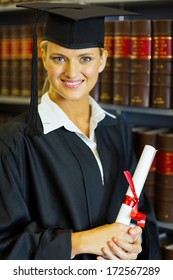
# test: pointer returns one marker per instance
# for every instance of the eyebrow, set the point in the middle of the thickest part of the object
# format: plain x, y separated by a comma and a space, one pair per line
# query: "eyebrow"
64, 55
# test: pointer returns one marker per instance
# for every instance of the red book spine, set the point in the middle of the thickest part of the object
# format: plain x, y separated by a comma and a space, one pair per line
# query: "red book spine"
140, 63
121, 52
161, 77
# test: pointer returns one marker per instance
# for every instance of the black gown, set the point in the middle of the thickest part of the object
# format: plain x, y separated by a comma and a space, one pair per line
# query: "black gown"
50, 185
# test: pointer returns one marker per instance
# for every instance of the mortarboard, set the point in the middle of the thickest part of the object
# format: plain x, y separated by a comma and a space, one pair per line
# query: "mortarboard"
72, 26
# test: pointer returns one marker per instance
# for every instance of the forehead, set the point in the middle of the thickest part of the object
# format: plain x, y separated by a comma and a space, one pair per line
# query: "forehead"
52, 47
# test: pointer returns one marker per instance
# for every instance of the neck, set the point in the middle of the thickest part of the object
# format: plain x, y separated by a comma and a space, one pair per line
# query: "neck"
78, 111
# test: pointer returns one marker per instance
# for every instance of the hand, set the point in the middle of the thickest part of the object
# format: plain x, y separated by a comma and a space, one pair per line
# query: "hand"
120, 249
114, 238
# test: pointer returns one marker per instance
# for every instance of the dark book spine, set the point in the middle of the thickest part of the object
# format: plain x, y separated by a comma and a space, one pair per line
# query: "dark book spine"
15, 60
106, 87
164, 177
140, 63
161, 84
26, 56
121, 53
5, 60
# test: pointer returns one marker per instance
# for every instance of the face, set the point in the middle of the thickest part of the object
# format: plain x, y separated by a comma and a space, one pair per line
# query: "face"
72, 73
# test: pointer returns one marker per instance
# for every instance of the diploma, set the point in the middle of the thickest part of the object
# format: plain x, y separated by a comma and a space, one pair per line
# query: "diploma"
129, 207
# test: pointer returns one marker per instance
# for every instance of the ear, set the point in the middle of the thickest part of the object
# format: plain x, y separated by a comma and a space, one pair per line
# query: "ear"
103, 60
43, 56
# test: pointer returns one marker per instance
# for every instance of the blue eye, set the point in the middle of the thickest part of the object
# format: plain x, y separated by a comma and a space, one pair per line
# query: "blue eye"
86, 59
58, 59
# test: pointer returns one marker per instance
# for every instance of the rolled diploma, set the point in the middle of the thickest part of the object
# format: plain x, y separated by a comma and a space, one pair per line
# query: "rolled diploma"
139, 177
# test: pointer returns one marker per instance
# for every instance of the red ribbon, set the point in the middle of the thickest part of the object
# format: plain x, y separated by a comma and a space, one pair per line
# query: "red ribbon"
133, 202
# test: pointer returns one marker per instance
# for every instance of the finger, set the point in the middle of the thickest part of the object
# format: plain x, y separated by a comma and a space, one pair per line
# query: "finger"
135, 232
101, 258
108, 254
134, 248
118, 251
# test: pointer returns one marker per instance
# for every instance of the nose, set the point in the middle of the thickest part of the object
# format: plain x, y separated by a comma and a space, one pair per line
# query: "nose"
72, 69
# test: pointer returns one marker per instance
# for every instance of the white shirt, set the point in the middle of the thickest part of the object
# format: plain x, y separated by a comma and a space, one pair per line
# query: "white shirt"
53, 117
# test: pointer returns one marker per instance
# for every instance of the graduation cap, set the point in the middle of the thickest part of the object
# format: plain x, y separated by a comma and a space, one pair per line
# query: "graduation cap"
72, 26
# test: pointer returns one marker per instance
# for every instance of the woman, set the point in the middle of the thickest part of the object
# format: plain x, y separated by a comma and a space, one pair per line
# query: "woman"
61, 188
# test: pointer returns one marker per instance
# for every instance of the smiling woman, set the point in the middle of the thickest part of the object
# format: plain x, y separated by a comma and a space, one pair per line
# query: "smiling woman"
62, 162
72, 73
87, 56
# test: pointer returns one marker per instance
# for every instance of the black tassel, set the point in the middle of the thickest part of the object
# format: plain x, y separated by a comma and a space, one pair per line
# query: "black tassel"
34, 125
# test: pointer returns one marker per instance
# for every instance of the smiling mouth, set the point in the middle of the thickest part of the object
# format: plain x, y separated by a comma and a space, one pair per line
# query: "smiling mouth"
72, 84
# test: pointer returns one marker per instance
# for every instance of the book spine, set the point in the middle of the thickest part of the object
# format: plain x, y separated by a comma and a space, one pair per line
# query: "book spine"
26, 57
140, 63
161, 77
121, 51
5, 60
106, 87
164, 177
15, 60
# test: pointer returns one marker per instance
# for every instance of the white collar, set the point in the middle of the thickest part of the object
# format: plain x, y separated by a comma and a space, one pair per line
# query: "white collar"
53, 117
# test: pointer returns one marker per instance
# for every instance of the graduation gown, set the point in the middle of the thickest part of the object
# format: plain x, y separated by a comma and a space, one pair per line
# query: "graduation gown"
50, 185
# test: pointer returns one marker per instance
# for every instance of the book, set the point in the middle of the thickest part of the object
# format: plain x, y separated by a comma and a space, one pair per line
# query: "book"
26, 31
164, 177
161, 75
135, 137
140, 63
15, 60
121, 51
5, 60
149, 137
106, 87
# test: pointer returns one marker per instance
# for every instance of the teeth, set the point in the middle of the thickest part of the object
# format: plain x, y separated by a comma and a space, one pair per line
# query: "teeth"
72, 83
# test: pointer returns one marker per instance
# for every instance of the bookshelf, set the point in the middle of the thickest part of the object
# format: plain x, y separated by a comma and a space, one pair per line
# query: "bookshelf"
143, 116
147, 9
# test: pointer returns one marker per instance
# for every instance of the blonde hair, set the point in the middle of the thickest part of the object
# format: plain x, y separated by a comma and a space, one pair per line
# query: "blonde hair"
46, 85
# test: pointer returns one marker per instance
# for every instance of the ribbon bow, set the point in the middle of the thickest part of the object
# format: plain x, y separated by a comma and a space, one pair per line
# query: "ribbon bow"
133, 202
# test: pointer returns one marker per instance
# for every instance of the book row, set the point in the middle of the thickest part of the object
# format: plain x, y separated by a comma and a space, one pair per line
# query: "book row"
159, 183
138, 70
139, 66
16, 59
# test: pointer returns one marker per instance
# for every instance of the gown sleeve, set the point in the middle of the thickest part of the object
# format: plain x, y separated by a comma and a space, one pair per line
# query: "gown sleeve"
20, 237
